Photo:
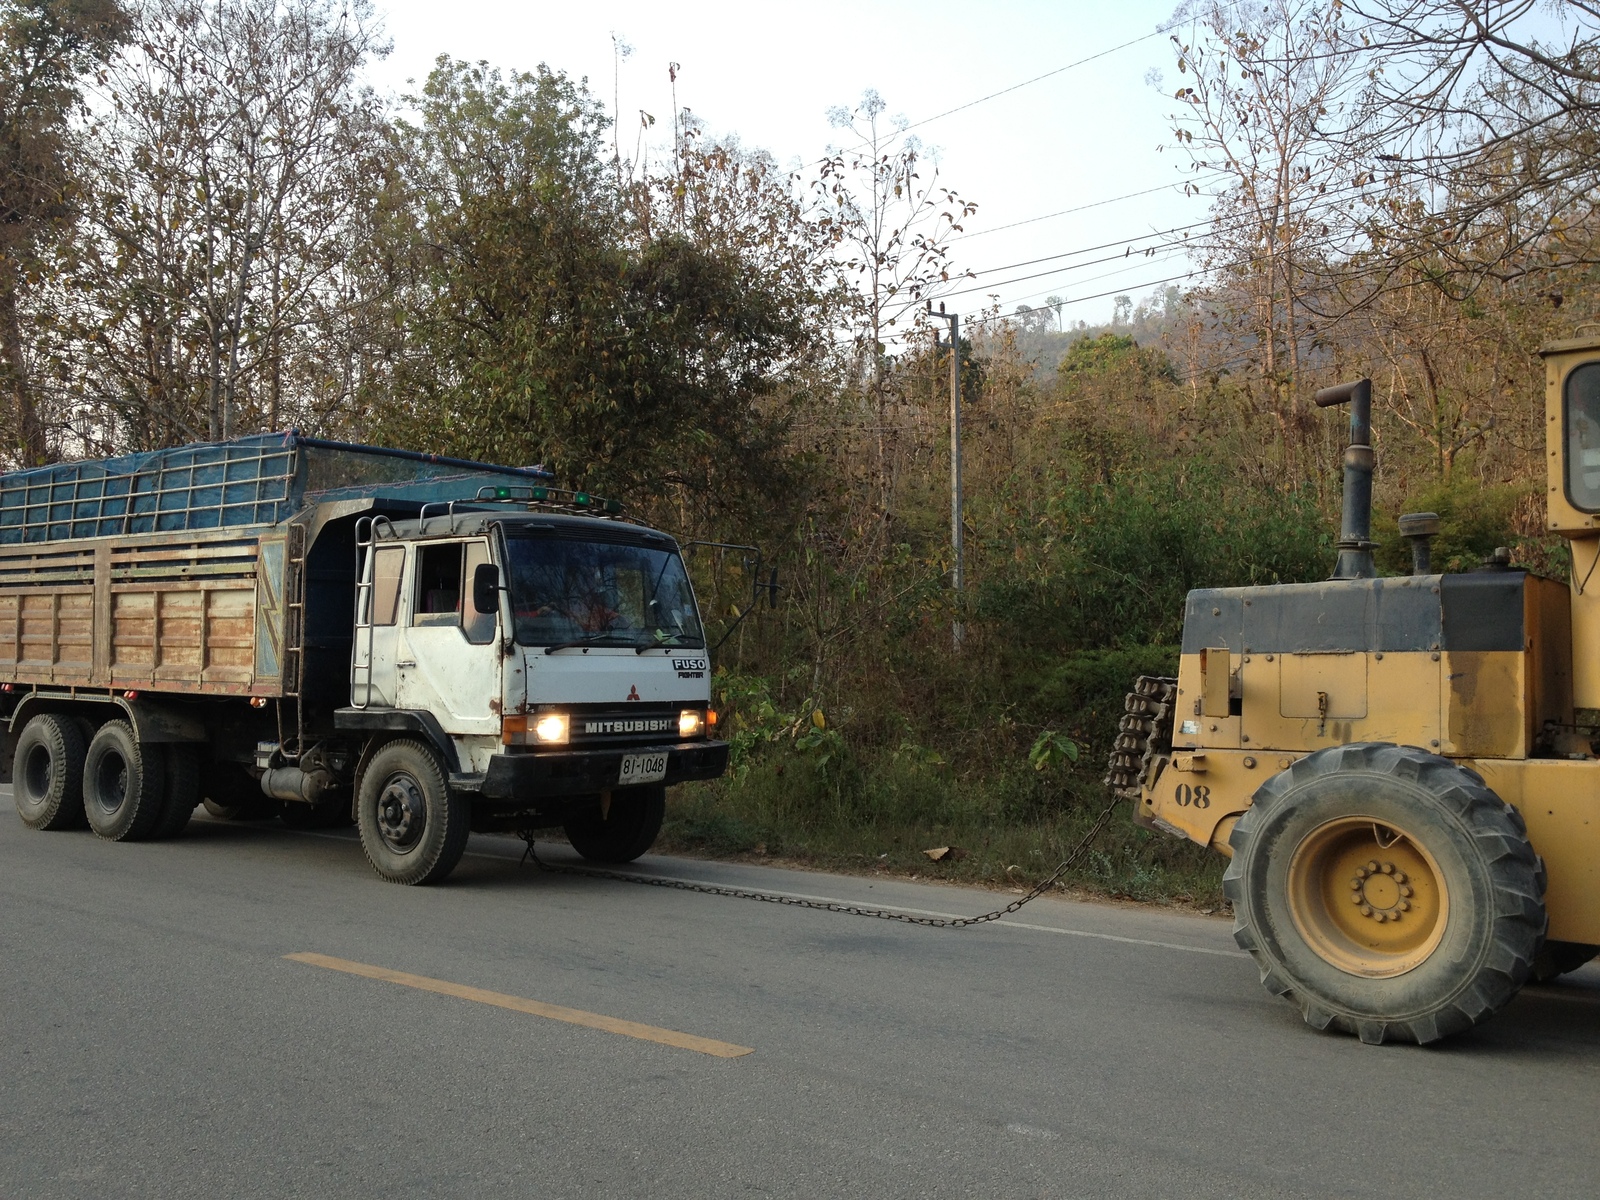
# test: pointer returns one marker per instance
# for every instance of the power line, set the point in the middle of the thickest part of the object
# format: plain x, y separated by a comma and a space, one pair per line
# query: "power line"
1075, 299
1323, 202
1149, 283
1080, 208
1038, 78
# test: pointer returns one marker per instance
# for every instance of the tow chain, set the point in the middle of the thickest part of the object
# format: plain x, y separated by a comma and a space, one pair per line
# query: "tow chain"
853, 910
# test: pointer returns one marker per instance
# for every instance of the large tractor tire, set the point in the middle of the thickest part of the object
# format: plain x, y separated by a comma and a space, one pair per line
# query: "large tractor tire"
413, 827
124, 784
1556, 959
1387, 892
47, 773
622, 832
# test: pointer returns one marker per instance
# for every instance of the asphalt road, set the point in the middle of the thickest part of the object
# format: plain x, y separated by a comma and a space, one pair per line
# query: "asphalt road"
156, 1042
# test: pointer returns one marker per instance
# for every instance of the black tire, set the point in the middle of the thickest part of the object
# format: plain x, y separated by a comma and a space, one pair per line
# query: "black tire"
230, 793
1556, 959
1480, 880
182, 793
124, 784
47, 773
413, 827
623, 833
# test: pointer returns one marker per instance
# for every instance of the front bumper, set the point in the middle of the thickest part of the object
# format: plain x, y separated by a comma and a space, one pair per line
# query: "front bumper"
528, 778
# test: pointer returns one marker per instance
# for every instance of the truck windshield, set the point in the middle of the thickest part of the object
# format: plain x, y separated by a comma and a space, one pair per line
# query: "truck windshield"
565, 591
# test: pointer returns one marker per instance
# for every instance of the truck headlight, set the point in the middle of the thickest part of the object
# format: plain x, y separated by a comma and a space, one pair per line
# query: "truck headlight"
551, 729
543, 729
691, 723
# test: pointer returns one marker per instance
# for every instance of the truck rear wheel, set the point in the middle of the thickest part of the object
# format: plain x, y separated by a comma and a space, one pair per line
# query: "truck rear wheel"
413, 827
182, 792
1387, 892
123, 784
623, 832
47, 773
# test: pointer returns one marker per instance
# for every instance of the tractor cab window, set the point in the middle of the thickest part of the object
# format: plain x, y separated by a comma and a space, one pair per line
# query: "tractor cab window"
1583, 437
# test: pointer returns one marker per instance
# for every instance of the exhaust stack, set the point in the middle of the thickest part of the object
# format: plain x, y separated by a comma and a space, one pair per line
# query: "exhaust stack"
1419, 529
1355, 542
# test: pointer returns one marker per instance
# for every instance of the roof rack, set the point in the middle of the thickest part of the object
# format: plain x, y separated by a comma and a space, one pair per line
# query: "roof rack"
559, 499
539, 497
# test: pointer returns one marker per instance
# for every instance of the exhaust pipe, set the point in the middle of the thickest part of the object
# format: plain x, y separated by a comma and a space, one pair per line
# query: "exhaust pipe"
1355, 544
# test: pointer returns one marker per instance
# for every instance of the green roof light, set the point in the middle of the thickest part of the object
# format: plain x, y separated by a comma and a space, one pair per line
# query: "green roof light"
581, 499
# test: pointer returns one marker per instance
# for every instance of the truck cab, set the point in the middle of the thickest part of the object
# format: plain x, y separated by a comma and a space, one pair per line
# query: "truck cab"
555, 659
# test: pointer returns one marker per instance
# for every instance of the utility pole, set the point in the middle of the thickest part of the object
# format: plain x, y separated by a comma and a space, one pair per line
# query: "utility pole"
956, 629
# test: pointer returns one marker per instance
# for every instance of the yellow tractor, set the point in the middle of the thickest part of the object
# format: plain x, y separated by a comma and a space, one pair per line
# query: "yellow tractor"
1401, 770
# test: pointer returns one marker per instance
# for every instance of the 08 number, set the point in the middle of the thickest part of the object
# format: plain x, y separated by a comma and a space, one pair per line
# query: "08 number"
1199, 796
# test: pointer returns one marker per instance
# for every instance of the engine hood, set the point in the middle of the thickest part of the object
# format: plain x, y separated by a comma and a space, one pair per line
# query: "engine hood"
614, 675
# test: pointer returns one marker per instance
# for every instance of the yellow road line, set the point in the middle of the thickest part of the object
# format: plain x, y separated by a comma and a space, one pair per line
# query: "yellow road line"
573, 1016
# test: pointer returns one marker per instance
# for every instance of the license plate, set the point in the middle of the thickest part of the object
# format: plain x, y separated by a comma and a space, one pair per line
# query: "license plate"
643, 768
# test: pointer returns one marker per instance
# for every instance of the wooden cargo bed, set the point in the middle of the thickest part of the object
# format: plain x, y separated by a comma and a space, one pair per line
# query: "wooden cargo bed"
193, 612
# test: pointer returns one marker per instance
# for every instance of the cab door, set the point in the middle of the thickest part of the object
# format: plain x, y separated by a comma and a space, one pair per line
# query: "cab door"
451, 662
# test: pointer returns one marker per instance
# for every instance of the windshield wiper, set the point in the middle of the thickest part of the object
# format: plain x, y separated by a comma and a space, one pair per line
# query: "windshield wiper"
593, 639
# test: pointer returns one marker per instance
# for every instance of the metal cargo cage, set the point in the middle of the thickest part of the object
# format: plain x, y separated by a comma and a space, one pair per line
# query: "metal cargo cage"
260, 480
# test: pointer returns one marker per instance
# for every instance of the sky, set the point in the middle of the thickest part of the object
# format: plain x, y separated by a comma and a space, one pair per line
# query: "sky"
769, 73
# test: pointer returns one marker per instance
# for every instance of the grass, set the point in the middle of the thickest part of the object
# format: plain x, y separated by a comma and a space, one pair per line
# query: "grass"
881, 815
933, 752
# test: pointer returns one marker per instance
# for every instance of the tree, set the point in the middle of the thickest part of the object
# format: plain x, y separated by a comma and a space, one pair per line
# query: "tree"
1484, 131
892, 230
46, 46
553, 311
1261, 80
235, 159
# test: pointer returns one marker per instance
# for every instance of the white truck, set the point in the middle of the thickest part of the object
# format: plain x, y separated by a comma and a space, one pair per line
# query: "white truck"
425, 646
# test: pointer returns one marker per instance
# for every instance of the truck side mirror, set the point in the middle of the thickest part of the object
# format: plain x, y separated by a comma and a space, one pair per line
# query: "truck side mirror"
772, 589
486, 588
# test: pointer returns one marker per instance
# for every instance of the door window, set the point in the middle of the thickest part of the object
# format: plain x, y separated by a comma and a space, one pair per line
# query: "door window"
438, 595
479, 627
444, 589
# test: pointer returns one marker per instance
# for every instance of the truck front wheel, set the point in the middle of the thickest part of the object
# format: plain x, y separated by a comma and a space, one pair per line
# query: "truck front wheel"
48, 773
1387, 892
413, 828
624, 830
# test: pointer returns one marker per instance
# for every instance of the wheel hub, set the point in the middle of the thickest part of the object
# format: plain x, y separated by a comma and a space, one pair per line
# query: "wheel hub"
402, 813
35, 773
1367, 897
1381, 891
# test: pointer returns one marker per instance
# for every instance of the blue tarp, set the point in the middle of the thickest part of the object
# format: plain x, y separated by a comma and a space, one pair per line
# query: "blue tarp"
260, 480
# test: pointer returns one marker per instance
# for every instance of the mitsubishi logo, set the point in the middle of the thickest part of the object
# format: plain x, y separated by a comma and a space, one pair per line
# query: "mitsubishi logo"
633, 691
